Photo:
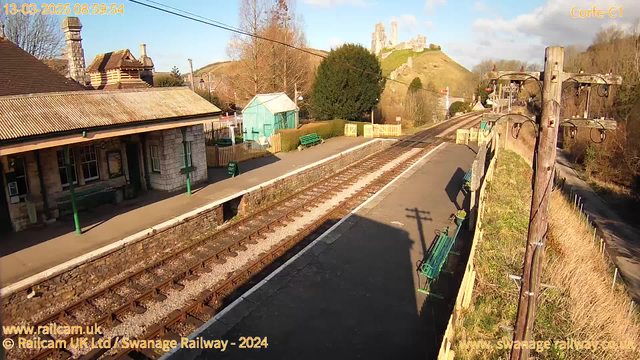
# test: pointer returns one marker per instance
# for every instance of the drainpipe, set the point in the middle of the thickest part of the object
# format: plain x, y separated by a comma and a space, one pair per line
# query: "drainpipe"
187, 168
43, 189
74, 206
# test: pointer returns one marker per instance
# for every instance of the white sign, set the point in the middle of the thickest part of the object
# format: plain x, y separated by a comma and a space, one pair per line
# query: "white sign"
398, 118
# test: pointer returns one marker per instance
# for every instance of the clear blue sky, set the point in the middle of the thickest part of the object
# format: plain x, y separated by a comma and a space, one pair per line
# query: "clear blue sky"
468, 30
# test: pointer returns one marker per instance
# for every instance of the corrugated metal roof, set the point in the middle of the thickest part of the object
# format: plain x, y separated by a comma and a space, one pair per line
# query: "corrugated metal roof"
38, 114
276, 102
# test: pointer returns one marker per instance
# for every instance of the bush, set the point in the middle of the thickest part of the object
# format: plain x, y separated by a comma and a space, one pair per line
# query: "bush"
457, 107
290, 138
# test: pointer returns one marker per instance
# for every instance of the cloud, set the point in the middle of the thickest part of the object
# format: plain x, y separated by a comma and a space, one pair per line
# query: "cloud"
480, 6
428, 24
331, 3
431, 4
525, 36
335, 43
406, 21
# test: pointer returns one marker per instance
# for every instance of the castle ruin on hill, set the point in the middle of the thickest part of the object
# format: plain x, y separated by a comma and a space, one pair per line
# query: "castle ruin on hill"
379, 40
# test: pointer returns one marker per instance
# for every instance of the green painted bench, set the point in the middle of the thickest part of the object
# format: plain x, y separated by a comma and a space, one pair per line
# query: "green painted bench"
222, 142
431, 267
310, 139
87, 198
466, 184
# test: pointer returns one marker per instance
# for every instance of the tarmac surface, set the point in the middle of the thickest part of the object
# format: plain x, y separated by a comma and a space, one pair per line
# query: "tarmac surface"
352, 293
32, 251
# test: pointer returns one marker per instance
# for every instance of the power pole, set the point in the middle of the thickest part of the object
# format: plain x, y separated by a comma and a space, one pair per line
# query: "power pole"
544, 168
295, 94
448, 101
191, 67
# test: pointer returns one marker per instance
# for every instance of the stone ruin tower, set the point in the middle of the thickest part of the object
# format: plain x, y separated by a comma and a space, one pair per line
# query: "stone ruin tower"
378, 39
394, 34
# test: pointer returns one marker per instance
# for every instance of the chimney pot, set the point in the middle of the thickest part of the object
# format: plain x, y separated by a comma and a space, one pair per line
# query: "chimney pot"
143, 50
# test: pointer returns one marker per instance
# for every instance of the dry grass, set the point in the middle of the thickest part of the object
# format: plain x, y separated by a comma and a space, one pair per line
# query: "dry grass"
596, 312
580, 305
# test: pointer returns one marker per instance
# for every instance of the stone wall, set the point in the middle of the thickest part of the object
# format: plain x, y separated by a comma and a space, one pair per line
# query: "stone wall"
169, 142
50, 172
108, 269
288, 185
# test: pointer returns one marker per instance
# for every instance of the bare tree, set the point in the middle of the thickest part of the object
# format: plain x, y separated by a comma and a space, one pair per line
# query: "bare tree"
270, 66
39, 35
249, 50
289, 67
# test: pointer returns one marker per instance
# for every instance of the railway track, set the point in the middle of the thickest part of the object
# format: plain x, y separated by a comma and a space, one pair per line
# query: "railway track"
168, 284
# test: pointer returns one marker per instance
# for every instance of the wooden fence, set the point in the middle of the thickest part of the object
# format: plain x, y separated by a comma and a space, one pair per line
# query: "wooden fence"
378, 130
463, 136
276, 143
220, 156
214, 130
351, 130
479, 183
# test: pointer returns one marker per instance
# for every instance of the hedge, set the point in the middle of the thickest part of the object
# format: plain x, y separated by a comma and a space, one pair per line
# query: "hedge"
290, 138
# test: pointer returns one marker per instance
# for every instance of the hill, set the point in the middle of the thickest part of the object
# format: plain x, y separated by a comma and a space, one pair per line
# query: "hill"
231, 68
431, 66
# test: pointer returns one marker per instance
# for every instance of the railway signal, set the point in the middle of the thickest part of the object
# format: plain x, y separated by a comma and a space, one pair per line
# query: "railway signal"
544, 167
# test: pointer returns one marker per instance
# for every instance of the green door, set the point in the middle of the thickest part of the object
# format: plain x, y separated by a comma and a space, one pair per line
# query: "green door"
268, 130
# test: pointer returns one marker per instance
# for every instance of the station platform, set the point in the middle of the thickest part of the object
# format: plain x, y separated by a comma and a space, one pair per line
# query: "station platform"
352, 292
30, 252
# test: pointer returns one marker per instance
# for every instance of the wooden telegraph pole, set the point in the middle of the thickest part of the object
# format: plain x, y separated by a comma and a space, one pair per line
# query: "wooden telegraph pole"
544, 167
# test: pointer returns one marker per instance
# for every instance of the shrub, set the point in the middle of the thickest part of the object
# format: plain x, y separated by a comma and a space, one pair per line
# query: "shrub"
290, 138
457, 107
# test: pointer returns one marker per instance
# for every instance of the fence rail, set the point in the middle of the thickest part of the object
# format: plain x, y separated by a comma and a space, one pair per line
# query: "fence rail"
351, 130
220, 156
478, 186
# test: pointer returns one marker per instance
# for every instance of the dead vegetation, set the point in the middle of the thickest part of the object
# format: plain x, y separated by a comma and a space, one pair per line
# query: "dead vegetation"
579, 304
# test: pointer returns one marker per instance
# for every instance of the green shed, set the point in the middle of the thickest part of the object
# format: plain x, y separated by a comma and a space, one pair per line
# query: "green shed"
266, 113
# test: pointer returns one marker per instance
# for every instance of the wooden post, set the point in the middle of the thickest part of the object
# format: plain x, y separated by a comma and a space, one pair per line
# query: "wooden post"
543, 180
191, 69
74, 206
187, 167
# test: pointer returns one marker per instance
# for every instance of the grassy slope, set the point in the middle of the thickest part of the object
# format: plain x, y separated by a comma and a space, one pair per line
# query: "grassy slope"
581, 304
231, 68
435, 67
396, 59
500, 254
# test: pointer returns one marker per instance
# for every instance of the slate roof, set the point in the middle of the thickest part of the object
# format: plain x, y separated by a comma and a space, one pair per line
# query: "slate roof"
22, 73
121, 59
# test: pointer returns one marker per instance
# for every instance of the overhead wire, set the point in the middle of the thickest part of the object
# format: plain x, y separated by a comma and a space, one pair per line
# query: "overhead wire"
201, 19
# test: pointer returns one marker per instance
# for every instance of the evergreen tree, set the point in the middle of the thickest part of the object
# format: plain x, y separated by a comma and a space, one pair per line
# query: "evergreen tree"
348, 84
416, 84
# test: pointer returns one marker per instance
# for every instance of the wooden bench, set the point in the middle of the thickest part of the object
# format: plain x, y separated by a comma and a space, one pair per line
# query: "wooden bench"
431, 267
466, 184
87, 198
310, 139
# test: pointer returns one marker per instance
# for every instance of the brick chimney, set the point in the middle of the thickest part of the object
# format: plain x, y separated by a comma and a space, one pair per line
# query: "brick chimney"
75, 54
